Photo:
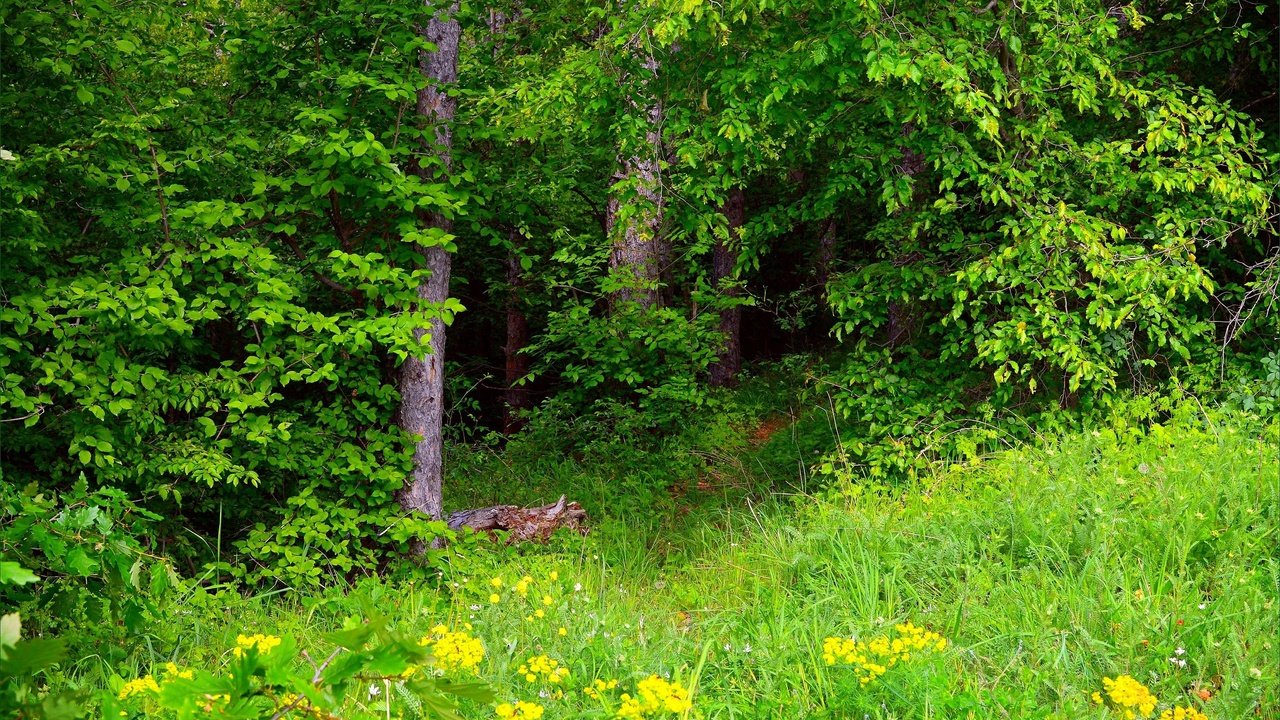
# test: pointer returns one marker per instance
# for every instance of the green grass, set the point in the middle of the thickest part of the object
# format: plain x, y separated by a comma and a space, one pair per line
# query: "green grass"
1048, 568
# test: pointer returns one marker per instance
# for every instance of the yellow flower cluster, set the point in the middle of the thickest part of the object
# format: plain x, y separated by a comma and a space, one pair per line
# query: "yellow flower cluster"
541, 665
1183, 713
172, 671
653, 696
148, 683
522, 585
300, 705
1128, 695
873, 658
520, 711
454, 649
264, 643
139, 686
597, 687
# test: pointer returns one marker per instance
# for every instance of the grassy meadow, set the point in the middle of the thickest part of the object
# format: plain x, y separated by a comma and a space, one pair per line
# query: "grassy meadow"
1041, 575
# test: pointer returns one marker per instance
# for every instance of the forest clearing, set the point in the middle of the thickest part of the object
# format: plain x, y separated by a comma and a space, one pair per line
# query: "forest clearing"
639, 359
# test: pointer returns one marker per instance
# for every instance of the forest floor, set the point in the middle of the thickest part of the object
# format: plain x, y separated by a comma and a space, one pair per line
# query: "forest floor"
1147, 554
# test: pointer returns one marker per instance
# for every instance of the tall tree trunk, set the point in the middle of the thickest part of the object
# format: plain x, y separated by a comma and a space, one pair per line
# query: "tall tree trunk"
638, 253
516, 397
422, 378
826, 255
723, 259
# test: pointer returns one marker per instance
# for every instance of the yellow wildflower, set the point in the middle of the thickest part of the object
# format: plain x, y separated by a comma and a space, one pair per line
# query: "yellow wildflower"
597, 687
139, 686
545, 667
563, 632
263, 643
493, 598
496, 582
454, 650
172, 671
1183, 713
1129, 695
873, 658
520, 711
655, 695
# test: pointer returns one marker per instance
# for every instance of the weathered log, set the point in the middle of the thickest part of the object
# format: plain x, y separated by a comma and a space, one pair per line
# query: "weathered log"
523, 524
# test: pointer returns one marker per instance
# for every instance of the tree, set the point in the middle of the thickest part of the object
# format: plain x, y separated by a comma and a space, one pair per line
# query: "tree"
422, 376
724, 259
634, 216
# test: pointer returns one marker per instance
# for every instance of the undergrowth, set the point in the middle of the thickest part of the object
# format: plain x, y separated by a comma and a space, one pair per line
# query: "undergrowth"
1130, 555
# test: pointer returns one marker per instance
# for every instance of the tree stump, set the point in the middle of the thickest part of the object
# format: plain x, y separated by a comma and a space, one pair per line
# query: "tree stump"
523, 524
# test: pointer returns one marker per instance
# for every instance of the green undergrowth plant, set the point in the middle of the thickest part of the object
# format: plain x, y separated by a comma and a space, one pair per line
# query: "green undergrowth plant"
96, 583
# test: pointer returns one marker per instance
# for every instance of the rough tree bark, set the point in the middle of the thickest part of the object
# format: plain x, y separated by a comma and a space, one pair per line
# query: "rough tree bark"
638, 249
422, 378
516, 397
723, 259
536, 523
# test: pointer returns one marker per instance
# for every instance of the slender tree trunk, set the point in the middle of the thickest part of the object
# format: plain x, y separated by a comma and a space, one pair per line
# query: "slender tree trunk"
638, 249
422, 378
517, 396
826, 255
723, 259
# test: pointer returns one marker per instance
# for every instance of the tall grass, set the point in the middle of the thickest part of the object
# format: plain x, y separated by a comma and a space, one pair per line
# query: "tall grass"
1143, 552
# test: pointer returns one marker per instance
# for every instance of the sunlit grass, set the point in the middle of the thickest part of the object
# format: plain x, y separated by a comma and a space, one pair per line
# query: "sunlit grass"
1147, 554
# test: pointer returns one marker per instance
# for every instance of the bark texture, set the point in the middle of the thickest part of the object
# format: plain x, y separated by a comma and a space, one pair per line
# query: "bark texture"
723, 259
638, 254
523, 523
422, 378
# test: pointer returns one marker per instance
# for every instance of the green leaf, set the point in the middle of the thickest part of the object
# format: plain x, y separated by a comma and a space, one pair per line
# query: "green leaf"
11, 573
79, 562
84, 95
31, 655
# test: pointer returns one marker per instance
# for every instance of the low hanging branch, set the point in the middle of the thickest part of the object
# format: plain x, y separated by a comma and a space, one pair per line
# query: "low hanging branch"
523, 524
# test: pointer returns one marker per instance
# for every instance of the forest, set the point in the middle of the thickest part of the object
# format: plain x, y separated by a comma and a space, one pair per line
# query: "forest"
704, 359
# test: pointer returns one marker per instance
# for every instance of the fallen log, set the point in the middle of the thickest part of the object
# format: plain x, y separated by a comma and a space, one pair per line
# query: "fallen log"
523, 524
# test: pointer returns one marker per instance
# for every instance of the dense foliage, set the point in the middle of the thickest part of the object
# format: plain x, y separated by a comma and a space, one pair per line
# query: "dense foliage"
236, 234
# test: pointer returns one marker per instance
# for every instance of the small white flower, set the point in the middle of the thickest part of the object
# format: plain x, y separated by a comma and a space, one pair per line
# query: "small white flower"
746, 648
473, 607
1179, 651
577, 587
544, 694
1203, 605
728, 647
374, 691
